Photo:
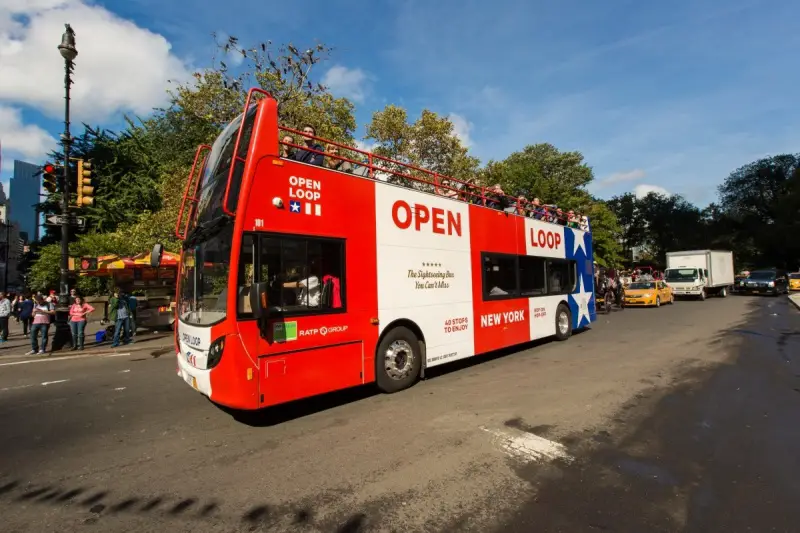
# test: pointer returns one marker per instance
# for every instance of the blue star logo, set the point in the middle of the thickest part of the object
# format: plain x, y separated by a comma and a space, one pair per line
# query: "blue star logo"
294, 206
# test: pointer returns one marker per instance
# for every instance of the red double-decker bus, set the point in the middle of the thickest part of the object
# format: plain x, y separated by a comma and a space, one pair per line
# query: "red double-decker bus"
297, 280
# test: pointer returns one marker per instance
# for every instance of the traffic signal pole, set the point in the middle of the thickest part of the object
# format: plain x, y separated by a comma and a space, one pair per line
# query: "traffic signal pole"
63, 334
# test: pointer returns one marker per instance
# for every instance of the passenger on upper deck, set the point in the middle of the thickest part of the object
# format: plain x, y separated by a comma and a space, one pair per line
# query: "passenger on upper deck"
286, 150
307, 156
334, 162
496, 198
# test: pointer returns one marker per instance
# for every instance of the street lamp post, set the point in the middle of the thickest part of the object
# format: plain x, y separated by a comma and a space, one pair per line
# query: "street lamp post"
63, 335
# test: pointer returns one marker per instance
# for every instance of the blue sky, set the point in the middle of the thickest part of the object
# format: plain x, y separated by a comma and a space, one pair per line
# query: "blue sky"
673, 95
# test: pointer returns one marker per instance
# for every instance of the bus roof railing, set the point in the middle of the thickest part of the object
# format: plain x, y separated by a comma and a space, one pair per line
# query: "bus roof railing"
468, 192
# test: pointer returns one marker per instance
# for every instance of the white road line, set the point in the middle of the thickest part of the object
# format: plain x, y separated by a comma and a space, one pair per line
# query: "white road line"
123, 371
120, 388
15, 388
64, 358
528, 446
46, 383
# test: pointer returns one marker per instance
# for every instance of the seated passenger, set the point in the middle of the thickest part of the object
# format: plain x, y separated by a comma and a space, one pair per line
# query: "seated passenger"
560, 218
286, 150
584, 223
308, 290
307, 156
572, 219
496, 198
538, 212
334, 162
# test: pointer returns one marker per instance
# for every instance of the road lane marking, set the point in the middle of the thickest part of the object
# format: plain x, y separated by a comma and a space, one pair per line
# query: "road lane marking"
120, 388
15, 388
64, 358
46, 383
123, 371
528, 446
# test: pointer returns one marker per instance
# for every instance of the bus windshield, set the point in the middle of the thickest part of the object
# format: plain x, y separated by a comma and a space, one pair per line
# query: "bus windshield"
680, 274
207, 249
214, 179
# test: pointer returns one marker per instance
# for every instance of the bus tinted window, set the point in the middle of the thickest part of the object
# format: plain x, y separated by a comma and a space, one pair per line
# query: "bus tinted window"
499, 276
531, 276
247, 275
510, 276
560, 276
306, 275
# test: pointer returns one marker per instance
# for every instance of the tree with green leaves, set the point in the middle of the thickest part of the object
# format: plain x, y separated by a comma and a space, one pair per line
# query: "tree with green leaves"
142, 171
558, 178
760, 202
429, 142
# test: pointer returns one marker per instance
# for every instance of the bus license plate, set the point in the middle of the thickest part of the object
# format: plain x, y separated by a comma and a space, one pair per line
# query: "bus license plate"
191, 380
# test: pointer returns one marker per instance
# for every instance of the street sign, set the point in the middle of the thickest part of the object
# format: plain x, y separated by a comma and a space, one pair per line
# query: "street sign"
72, 220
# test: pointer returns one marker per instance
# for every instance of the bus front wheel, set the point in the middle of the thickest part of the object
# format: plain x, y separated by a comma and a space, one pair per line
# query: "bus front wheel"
398, 361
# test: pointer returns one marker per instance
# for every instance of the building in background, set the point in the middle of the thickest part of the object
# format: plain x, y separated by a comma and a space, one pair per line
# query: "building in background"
23, 196
11, 249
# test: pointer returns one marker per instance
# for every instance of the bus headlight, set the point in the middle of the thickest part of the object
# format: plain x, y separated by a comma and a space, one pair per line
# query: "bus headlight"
215, 352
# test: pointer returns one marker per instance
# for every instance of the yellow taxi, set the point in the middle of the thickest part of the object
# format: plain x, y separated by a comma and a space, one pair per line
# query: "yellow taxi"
648, 293
794, 281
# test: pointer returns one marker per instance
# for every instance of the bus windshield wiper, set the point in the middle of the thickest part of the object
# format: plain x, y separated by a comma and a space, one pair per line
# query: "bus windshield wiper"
204, 230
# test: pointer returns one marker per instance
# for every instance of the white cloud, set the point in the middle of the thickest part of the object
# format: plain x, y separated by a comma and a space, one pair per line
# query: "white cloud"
619, 177
640, 191
20, 140
120, 66
365, 145
348, 83
461, 128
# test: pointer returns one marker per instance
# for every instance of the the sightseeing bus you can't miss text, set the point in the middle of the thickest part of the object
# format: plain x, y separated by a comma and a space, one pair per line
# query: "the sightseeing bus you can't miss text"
297, 280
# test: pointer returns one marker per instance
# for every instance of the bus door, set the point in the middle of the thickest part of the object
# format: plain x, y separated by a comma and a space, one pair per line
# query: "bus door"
305, 345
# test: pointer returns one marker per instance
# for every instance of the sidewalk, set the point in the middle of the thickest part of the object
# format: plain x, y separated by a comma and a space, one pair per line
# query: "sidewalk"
17, 345
795, 299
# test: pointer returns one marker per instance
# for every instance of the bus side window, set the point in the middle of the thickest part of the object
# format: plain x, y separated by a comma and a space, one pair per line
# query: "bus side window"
247, 273
531, 276
306, 274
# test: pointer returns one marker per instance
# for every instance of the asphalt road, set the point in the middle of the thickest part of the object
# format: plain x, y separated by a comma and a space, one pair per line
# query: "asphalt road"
683, 418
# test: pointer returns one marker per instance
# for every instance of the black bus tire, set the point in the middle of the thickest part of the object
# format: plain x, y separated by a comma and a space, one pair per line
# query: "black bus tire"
398, 360
563, 316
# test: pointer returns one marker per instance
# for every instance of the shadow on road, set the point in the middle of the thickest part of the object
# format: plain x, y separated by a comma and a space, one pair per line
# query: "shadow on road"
283, 413
100, 503
715, 452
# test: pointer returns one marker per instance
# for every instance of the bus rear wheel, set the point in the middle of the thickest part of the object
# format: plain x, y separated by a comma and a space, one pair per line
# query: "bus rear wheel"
563, 322
398, 361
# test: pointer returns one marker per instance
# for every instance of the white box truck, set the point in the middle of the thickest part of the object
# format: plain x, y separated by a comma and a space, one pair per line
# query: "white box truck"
700, 273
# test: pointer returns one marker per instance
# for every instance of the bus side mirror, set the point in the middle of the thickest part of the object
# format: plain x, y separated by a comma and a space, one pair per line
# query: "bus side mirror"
258, 299
155, 255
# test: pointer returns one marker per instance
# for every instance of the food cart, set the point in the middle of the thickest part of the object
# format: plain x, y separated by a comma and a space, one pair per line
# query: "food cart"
156, 305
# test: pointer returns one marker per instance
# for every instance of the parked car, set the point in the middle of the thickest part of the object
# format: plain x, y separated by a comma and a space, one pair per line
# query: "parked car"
766, 281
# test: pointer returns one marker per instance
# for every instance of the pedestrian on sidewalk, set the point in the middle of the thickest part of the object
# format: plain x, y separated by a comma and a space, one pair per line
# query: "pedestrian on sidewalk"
42, 314
119, 313
5, 314
24, 310
77, 320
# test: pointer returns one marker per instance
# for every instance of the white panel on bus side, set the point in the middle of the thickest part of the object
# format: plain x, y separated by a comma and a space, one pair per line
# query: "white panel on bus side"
543, 315
544, 239
424, 269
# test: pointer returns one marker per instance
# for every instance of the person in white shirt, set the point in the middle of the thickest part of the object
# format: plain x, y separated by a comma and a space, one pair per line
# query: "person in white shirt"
308, 290
5, 314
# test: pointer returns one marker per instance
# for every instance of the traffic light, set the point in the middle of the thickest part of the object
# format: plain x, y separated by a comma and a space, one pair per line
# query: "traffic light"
88, 263
49, 177
85, 188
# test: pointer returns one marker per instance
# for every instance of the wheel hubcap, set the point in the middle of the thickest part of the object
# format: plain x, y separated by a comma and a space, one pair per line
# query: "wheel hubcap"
399, 360
563, 323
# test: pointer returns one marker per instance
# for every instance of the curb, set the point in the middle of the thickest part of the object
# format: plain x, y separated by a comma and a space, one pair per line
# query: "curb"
795, 299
